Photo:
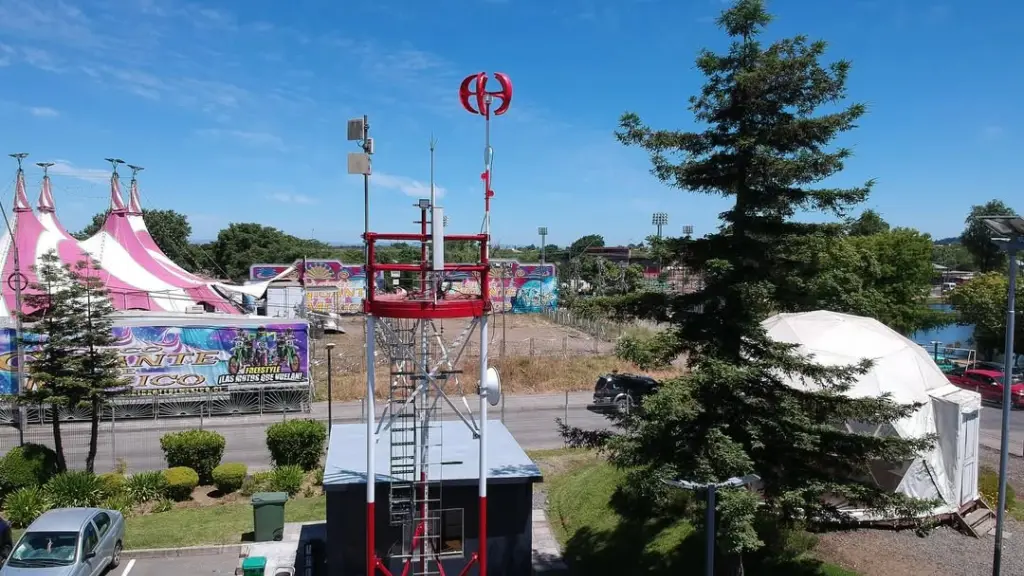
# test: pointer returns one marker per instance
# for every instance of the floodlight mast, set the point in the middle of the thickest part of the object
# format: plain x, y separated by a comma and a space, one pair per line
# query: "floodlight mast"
1009, 232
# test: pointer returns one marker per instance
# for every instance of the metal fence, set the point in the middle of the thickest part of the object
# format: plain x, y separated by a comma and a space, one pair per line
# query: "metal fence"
606, 330
134, 445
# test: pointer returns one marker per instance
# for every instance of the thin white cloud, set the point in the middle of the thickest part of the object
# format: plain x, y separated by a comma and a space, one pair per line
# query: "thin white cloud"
992, 132
65, 168
255, 139
288, 198
43, 112
405, 185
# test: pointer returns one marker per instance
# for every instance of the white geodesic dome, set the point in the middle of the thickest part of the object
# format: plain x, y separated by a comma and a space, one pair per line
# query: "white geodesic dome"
902, 369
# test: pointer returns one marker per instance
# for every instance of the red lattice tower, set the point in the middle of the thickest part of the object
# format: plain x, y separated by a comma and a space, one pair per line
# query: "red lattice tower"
424, 369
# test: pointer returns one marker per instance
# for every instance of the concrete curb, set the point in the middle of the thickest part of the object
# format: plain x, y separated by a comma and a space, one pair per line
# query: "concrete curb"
188, 551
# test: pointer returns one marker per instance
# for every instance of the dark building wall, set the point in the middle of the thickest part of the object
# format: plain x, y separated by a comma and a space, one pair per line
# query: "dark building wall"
509, 528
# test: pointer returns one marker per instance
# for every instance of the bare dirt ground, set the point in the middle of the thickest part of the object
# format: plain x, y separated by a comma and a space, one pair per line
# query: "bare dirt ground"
532, 353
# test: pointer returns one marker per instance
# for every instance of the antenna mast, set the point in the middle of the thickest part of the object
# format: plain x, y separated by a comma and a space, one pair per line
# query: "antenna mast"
20, 283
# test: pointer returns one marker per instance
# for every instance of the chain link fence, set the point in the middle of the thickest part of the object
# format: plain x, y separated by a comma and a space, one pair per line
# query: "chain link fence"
133, 445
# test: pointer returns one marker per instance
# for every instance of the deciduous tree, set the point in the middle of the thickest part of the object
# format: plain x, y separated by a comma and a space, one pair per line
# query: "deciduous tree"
978, 240
981, 301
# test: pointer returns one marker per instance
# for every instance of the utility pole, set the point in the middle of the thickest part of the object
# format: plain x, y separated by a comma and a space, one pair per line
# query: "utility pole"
543, 231
359, 131
19, 279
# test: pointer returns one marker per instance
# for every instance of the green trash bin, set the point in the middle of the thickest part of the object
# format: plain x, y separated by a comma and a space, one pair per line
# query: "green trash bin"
254, 566
268, 516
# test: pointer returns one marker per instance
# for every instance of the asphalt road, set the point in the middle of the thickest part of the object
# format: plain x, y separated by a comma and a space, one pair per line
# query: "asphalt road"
531, 419
991, 428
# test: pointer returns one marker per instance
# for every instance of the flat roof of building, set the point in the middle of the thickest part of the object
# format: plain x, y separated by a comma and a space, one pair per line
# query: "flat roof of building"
454, 455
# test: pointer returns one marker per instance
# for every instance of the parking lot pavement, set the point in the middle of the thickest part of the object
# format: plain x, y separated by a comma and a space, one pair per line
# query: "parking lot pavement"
219, 565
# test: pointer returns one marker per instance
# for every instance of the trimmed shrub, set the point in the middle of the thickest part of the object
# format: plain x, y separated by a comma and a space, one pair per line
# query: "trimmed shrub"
200, 450
121, 502
287, 478
181, 481
28, 465
298, 442
73, 489
24, 505
229, 476
146, 486
112, 484
163, 505
257, 482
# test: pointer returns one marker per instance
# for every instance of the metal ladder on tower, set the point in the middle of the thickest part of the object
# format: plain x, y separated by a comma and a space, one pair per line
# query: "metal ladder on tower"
400, 341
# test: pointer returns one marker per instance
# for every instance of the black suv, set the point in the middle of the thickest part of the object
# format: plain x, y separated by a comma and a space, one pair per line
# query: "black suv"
621, 392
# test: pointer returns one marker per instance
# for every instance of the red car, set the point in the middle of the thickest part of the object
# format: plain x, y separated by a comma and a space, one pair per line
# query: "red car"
989, 383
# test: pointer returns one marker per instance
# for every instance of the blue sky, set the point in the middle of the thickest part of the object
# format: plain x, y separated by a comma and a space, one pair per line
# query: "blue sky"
237, 109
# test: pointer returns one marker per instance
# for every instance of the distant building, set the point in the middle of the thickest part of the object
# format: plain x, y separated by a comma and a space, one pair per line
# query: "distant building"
509, 501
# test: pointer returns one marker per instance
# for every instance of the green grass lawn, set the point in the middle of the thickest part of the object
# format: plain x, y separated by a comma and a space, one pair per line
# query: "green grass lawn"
209, 525
598, 541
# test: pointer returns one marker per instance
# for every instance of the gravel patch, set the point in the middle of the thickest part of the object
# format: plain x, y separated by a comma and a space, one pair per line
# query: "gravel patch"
944, 552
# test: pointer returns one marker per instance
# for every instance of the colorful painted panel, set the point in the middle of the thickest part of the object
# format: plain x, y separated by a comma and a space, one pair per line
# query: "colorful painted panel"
514, 287
535, 287
268, 271
182, 358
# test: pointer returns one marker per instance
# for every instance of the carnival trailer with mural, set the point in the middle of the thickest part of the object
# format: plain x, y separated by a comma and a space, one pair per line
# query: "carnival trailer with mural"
192, 364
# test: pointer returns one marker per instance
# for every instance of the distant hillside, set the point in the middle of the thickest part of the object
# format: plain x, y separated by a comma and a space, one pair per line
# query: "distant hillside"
947, 241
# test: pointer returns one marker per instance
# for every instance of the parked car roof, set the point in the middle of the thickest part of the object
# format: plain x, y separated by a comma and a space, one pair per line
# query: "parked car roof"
63, 520
984, 372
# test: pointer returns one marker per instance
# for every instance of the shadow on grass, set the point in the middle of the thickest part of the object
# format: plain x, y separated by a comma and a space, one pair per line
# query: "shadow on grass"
656, 542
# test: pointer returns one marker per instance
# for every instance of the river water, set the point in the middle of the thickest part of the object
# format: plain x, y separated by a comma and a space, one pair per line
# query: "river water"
948, 335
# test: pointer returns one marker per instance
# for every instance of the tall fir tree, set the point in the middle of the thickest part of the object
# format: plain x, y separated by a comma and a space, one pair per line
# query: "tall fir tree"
764, 146
70, 330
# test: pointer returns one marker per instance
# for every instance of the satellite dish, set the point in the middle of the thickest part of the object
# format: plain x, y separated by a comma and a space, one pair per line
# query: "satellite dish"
492, 387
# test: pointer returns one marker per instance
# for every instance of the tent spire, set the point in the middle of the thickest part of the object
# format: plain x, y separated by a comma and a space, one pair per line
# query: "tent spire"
116, 200
134, 204
45, 194
20, 197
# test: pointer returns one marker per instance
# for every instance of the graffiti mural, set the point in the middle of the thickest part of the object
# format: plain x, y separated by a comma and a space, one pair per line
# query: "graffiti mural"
268, 271
535, 288
513, 287
331, 286
182, 358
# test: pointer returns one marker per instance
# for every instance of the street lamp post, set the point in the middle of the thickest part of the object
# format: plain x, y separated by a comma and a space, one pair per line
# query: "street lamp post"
1009, 234
710, 489
543, 231
330, 390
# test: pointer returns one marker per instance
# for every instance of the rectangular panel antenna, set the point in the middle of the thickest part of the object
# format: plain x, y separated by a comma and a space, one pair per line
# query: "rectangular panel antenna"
356, 129
359, 163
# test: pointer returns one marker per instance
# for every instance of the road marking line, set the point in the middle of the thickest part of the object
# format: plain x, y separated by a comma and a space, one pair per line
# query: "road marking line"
128, 567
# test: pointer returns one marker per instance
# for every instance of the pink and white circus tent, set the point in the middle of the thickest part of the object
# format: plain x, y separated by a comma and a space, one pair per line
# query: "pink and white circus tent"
136, 273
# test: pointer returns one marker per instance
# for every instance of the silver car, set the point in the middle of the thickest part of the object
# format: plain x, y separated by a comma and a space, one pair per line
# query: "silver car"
68, 542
